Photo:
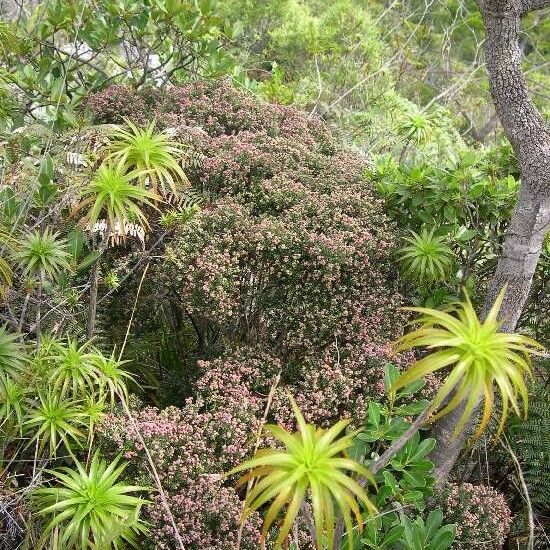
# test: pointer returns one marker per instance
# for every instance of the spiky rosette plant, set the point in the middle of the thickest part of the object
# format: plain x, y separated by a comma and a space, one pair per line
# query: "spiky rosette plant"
313, 461
481, 358
112, 377
7, 245
73, 372
12, 354
426, 257
151, 153
113, 194
42, 254
12, 405
54, 420
90, 507
416, 127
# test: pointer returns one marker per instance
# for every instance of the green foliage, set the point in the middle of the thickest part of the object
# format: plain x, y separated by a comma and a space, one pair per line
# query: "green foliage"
426, 257
152, 155
111, 280
405, 484
467, 200
7, 246
246, 272
313, 460
111, 193
58, 393
415, 127
42, 254
52, 398
12, 406
46, 193
94, 409
89, 507
410, 534
54, 420
12, 355
480, 355
188, 206
146, 43
429, 535
473, 192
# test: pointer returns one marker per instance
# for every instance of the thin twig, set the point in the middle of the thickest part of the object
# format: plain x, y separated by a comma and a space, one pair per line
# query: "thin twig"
270, 396
530, 515
133, 312
158, 483
154, 472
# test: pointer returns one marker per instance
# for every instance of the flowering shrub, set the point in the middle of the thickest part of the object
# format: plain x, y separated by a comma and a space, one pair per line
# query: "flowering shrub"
186, 442
337, 384
239, 378
113, 104
295, 246
219, 108
480, 513
326, 388
207, 515
284, 280
191, 448
286, 269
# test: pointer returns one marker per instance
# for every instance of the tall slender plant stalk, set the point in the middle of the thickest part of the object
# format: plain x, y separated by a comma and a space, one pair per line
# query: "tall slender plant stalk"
135, 426
94, 287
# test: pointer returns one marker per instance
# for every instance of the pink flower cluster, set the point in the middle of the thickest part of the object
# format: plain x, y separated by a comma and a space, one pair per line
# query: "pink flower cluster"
337, 384
219, 108
480, 513
207, 516
295, 281
115, 103
191, 447
186, 442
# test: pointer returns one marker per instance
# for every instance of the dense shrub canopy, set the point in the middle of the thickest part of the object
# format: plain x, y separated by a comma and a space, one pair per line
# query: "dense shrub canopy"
292, 250
286, 269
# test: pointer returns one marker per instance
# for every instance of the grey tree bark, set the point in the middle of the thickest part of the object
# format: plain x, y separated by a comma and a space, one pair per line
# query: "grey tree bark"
11, 9
530, 137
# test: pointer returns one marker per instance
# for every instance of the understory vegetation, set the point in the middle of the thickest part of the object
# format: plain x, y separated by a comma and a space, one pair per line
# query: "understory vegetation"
247, 258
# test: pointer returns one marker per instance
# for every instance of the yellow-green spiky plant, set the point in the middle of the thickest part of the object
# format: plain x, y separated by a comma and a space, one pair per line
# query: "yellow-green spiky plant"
480, 356
151, 153
426, 257
112, 193
313, 460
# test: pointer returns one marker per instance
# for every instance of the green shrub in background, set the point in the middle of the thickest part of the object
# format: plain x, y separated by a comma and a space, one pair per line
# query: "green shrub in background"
464, 204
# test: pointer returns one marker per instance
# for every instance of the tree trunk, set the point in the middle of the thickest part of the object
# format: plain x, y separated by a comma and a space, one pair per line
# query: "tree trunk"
92, 305
530, 137
94, 287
